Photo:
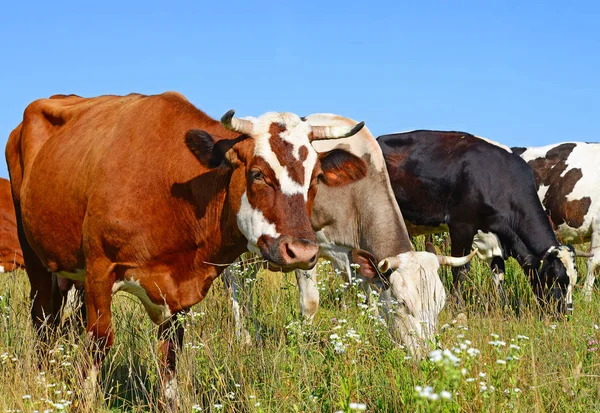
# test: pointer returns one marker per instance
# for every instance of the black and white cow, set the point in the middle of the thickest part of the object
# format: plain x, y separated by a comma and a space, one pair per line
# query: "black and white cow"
460, 183
567, 177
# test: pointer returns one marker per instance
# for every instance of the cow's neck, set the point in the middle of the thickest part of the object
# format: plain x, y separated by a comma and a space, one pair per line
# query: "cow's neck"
218, 238
382, 229
534, 229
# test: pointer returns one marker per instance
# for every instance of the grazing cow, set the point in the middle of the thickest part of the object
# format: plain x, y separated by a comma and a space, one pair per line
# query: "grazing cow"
149, 195
567, 178
364, 215
457, 182
11, 256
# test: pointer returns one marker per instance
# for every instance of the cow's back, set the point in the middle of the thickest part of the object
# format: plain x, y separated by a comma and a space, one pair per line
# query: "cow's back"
11, 255
567, 177
104, 165
437, 176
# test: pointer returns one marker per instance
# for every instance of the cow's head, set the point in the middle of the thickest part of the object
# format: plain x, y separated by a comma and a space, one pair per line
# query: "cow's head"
273, 181
559, 274
416, 292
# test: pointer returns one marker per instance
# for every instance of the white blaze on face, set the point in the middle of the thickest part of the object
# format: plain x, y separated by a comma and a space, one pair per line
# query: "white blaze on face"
568, 260
253, 224
296, 134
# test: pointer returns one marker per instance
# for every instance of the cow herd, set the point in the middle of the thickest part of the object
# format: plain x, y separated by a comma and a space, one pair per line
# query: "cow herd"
149, 195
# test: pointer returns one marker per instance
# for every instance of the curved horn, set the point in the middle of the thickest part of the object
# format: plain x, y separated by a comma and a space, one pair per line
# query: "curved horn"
237, 125
335, 132
456, 261
389, 263
580, 253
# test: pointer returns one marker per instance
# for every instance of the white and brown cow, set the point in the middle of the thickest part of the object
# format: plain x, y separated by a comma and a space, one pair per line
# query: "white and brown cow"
148, 195
567, 177
363, 216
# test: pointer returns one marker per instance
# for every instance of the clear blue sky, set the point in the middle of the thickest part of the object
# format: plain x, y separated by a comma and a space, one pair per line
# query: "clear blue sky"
519, 72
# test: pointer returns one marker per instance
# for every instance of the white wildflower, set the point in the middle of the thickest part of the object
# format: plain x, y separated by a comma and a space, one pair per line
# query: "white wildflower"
444, 394
436, 356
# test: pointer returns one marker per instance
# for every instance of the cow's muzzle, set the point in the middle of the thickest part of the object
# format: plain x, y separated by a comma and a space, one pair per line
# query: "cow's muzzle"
287, 253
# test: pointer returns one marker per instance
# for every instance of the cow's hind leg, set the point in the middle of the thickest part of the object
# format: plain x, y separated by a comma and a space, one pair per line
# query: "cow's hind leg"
593, 263
99, 281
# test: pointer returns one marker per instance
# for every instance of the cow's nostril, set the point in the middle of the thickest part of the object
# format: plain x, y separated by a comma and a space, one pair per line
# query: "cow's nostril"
289, 251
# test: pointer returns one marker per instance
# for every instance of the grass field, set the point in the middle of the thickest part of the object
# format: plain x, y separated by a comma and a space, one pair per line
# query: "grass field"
491, 360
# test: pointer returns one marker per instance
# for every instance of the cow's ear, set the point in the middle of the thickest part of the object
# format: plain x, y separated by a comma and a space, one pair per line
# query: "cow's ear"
208, 150
366, 263
340, 167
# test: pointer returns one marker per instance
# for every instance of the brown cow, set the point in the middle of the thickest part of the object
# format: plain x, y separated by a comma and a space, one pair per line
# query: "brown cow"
149, 195
11, 256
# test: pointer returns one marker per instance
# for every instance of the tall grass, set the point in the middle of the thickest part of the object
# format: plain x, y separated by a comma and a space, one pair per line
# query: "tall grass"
497, 359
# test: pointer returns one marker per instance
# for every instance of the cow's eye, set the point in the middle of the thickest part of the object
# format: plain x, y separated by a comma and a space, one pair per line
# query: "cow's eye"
257, 175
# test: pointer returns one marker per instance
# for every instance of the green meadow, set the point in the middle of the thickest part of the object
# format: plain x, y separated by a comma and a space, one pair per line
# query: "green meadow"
485, 358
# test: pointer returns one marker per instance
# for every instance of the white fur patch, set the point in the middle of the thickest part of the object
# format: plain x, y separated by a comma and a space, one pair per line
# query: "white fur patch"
253, 224
171, 389
157, 312
542, 192
565, 256
488, 245
1, 269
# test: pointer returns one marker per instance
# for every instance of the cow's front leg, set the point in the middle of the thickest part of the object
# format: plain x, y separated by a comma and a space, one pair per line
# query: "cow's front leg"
309, 293
170, 334
498, 271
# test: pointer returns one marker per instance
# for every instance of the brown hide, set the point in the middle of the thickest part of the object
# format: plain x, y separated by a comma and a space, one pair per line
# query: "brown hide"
11, 256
